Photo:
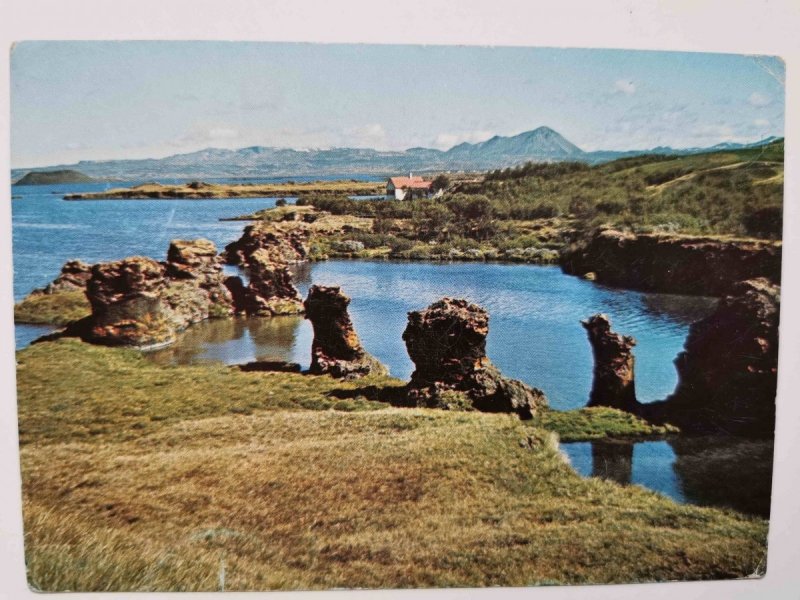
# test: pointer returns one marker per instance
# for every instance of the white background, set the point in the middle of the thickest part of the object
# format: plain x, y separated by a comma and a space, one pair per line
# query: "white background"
758, 27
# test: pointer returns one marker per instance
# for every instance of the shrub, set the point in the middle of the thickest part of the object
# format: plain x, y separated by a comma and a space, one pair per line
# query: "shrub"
383, 225
611, 207
767, 221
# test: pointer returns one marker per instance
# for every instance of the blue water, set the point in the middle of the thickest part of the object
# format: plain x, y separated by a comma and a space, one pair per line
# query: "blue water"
649, 465
47, 231
709, 470
534, 329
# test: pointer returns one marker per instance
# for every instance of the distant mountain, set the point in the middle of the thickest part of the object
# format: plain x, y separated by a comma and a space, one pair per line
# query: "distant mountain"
52, 177
542, 144
539, 145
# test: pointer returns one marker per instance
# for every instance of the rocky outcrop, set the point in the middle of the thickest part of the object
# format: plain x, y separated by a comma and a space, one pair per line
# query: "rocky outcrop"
728, 369
266, 249
140, 302
195, 265
672, 263
127, 304
613, 383
447, 343
74, 276
270, 291
336, 349
283, 243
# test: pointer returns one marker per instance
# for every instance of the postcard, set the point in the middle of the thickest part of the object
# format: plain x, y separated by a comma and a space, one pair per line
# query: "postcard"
302, 316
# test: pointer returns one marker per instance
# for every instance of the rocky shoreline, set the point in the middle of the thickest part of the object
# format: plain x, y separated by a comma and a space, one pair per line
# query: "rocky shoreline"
727, 372
676, 264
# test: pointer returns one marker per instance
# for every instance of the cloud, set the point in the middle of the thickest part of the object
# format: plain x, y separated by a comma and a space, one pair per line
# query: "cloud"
204, 135
761, 123
445, 141
370, 136
186, 97
258, 105
625, 86
759, 99
222, 133
721, 132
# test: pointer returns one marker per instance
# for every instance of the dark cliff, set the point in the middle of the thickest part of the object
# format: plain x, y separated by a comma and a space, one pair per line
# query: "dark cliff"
672, 263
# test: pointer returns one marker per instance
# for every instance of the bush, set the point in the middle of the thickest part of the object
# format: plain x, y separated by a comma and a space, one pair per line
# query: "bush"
611, 207
767, 221
581, 207
383, 225
440, 182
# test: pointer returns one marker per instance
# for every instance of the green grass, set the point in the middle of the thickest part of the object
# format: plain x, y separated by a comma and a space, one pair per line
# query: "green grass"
139, 477
736, 193
77, 391
59, 308
598, 423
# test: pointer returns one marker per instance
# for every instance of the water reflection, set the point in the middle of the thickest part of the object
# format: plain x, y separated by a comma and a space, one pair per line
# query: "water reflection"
301, 274
726, 471
612, 460
237, 340
718, 471
677, 308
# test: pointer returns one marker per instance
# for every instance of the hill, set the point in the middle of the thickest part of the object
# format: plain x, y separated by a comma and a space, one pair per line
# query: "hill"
533, 212
53, 177
538, 145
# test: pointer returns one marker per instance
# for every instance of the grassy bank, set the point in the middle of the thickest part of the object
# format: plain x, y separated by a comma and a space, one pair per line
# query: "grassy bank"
58, 308
141, 477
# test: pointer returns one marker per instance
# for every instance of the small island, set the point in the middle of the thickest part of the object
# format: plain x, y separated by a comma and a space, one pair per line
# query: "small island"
54, 177
201, 189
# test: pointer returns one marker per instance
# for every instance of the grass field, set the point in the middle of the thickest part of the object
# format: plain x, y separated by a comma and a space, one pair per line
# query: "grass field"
142, 477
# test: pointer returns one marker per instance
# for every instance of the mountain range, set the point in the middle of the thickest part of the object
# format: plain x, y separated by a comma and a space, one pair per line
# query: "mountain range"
539, 145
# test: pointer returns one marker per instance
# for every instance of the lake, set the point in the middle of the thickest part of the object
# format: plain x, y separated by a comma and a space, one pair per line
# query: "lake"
535, 311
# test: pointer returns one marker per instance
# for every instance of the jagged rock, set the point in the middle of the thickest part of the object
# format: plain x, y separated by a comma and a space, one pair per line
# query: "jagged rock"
677, 264
270, 291
195, 264
127, 304
613, 383
74, 276
283, 242
336, 349
447, 343
728, 369
140, 302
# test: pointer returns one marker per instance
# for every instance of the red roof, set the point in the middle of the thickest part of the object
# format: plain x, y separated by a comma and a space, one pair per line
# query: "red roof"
409, 182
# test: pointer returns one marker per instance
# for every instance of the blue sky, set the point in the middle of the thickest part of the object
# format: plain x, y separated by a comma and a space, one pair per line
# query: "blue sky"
74, 101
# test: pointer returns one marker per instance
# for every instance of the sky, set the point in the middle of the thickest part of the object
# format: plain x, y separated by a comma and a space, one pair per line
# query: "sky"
73, 101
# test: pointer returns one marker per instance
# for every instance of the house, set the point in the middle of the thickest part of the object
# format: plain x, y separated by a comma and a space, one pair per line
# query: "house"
408, 188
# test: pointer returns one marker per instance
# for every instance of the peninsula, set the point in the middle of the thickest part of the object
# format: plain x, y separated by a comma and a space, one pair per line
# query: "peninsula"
201, 189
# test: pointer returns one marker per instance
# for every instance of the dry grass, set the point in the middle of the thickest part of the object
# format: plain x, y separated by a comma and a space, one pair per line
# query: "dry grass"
296, 499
